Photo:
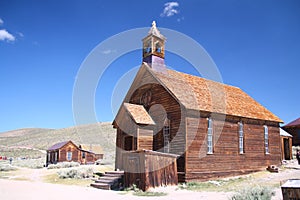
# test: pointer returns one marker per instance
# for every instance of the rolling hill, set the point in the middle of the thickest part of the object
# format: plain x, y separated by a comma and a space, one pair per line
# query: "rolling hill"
33, 142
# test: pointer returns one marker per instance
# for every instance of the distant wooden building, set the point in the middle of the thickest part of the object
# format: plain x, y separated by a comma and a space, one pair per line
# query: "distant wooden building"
293, 128
215, 130
286, 145
68, 151
90, 153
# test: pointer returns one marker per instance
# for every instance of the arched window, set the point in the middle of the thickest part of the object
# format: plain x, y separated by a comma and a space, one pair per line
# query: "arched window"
147, 47
158, 47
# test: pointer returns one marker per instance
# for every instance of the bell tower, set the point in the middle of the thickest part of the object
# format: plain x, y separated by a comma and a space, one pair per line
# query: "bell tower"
154, 49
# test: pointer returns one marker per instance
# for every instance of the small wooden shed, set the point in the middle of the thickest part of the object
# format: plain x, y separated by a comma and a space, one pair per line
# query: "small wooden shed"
286, 145
90, 153
148, 169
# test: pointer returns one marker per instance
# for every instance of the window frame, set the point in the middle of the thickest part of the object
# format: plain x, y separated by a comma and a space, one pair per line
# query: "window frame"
266, 139
241, 137
56, 156
166, 135
210, 143
69, 154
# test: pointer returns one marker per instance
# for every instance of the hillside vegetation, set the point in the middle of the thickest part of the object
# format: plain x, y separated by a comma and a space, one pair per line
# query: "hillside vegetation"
33, 142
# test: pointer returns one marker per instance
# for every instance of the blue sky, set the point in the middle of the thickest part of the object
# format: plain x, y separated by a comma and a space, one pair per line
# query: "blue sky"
255, 45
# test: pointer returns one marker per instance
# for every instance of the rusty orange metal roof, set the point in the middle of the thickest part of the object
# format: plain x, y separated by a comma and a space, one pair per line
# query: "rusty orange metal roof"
139, 114
198, 93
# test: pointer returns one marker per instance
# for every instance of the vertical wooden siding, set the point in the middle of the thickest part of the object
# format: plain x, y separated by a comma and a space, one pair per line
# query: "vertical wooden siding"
163, 103
226, 159
148, 169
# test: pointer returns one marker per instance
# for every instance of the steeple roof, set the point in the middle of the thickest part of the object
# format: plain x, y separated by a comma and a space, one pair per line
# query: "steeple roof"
154, 31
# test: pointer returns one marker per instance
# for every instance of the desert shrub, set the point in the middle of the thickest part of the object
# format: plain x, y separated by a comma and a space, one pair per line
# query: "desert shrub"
29, 163
76, 173
254, 193
63, 165
6, 168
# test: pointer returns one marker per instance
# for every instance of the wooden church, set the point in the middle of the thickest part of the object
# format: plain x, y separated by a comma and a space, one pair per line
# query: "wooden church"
176, 123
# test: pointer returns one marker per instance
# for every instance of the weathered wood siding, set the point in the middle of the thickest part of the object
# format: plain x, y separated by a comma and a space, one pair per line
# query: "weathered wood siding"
69, 147
162, 105
148, 169
145, 139
226, 158
286, 148
125, 128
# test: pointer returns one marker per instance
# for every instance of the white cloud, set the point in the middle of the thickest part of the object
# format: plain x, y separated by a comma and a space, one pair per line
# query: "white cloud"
169, 9
1, 21
6, 36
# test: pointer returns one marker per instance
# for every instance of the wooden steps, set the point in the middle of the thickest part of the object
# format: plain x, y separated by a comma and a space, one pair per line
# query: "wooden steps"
112, 180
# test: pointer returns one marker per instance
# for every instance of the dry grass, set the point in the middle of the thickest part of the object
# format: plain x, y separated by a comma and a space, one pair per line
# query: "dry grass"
54, 178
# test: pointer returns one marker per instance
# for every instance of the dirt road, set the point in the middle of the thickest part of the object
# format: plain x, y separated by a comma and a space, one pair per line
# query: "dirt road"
35, 189
25, 190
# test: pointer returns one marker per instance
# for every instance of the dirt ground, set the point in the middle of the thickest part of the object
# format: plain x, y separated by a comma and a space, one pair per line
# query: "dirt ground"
28, 184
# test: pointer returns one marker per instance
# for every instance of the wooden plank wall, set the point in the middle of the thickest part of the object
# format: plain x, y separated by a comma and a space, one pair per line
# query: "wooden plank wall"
147, 170
163, 105
145, 139
69, 147
162, 171
125, 127
226, 159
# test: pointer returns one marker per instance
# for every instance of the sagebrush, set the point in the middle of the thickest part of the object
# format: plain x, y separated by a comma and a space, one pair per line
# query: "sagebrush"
63, 165
254, 193
76, 173
6, 168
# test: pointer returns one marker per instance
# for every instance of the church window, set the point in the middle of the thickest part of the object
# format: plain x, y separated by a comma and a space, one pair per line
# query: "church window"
241, 137
166, 135
266, 134
210, 136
